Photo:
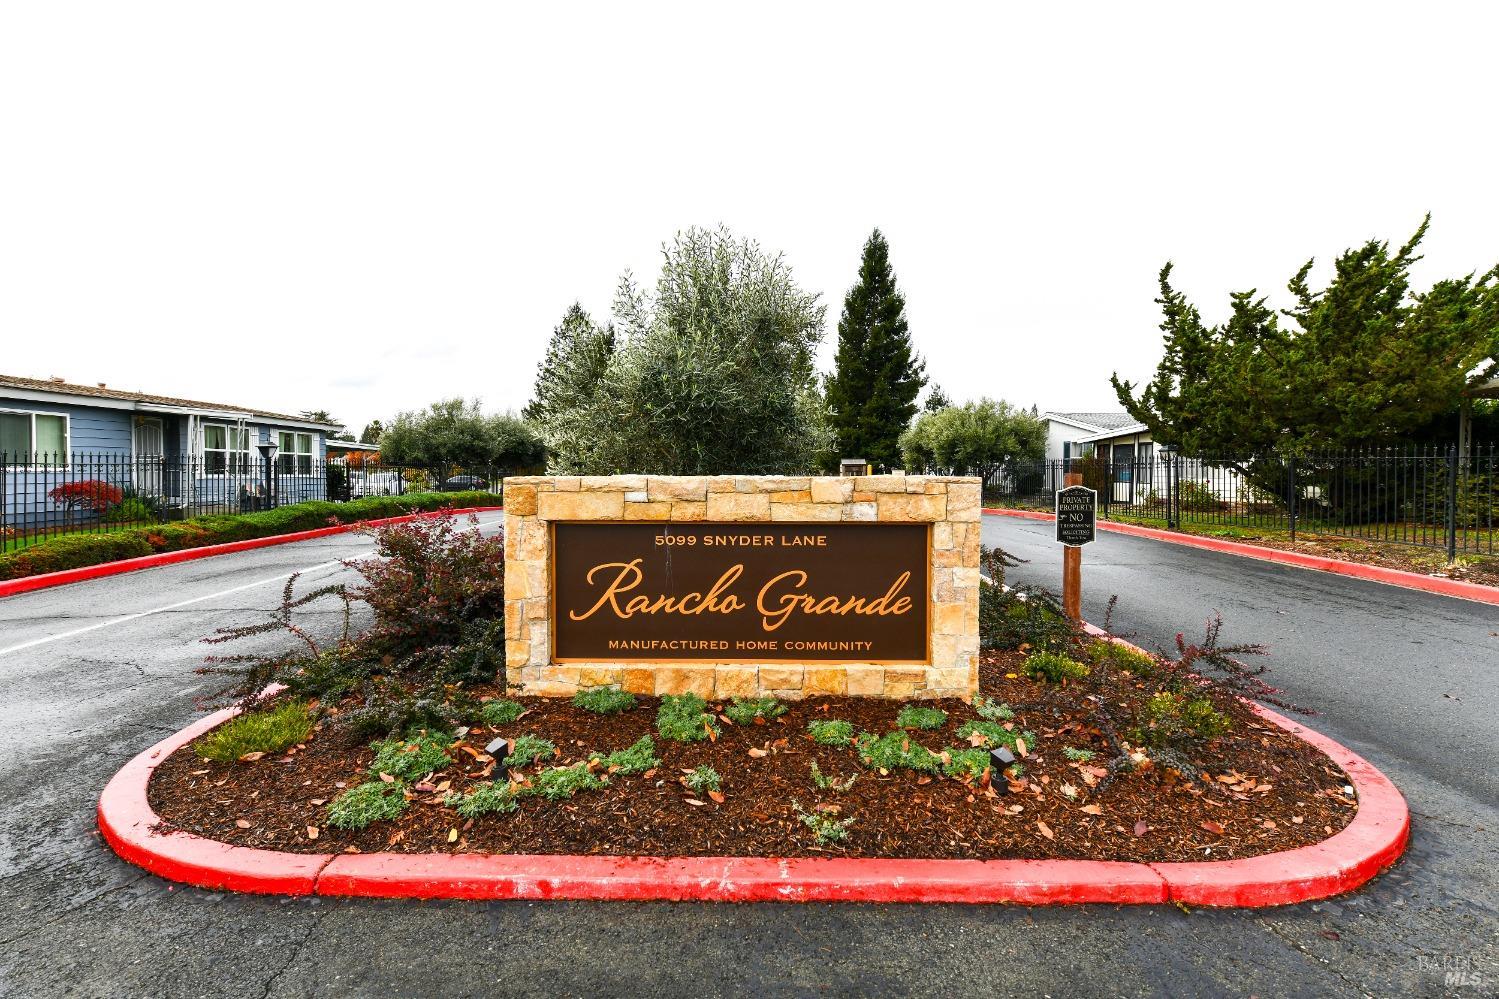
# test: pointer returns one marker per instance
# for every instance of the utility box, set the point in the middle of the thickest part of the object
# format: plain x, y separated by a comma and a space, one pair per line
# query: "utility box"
853, 466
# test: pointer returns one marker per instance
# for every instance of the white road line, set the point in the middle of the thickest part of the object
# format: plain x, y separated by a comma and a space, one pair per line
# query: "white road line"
281, 578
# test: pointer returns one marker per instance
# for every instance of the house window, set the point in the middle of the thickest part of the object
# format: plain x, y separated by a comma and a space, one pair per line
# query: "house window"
226, 450
43, 436
296, 453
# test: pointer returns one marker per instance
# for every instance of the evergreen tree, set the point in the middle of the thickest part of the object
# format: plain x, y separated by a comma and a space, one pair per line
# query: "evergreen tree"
876, 377
936, 399
371, 433
1365, 361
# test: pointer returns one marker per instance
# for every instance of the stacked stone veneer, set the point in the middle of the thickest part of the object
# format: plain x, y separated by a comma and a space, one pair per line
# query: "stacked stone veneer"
949, 504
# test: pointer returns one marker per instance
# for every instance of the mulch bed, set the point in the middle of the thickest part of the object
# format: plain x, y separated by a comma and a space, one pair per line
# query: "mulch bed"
1260, 790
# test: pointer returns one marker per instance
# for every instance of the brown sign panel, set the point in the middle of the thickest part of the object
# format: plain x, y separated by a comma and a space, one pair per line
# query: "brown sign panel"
723, 593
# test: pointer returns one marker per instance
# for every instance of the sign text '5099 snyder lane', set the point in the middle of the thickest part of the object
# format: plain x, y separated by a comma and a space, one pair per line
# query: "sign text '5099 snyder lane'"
825, 592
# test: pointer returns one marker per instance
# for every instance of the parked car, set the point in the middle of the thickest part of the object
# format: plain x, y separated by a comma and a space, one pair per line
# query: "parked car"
463, 483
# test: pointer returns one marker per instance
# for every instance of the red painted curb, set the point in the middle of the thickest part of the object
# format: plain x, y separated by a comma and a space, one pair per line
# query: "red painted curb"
738, 879
129, 826
1358, 570
1370, 843
63, 577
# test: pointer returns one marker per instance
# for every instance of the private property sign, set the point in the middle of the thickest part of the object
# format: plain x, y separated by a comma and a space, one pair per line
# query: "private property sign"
735, 592
1077, 508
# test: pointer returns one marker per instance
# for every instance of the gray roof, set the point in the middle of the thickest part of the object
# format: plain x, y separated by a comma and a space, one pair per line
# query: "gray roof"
1103, 421
101, 391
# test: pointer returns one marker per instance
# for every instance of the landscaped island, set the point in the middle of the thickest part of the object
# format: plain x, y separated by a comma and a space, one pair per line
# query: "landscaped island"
406, 739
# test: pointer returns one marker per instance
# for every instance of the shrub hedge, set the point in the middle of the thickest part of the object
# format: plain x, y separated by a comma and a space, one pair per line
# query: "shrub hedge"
75, 551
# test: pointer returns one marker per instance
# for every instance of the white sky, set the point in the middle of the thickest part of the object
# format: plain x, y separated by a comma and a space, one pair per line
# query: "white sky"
363, 207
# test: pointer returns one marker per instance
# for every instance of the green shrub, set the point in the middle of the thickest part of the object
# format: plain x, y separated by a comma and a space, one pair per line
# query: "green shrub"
1053, 667
703, 780
485, 799
966, 764
372, 801
1172, 719
1077, 755
992, 710
1121, 656
895, 751
831, 732
528, 749
995, 734
637, 759
131, 510
74, 551
825, 783
410, 759
912, 716
1027, 617
824, 826
604, 700
267, 731
559, 783
496, 713
745, 710
683, 718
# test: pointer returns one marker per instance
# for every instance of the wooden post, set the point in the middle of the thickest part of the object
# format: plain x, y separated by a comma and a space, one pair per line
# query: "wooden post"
1072, 567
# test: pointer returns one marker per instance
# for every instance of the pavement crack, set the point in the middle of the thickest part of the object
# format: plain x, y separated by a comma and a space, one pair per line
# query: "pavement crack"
71, 909
1299, 948
296, 949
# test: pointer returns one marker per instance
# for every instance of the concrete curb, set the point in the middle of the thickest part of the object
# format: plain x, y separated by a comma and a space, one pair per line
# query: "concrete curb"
1370, 843
1358, 570
46, 580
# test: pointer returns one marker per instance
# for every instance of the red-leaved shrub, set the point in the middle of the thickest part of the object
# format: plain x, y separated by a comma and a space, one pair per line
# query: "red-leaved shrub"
88, 494
432, 580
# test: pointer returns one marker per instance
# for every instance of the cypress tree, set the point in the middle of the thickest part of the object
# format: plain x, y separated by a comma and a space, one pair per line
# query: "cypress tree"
876, 377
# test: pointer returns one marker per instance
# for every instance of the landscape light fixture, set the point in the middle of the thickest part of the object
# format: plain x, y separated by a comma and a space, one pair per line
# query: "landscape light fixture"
1000, 758
499, 749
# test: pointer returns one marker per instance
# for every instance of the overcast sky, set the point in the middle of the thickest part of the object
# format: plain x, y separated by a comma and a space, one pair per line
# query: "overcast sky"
363, 207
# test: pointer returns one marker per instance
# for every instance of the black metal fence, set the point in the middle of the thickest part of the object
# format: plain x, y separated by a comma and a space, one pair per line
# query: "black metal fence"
45, 496
1431, 497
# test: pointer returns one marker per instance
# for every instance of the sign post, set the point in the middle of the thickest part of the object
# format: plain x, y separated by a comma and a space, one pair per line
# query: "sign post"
1077, 511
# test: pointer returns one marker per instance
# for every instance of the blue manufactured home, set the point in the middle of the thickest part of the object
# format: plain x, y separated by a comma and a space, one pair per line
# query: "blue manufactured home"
75, 456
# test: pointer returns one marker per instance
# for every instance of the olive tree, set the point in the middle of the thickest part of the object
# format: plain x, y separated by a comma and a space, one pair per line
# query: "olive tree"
977, 438
709, 372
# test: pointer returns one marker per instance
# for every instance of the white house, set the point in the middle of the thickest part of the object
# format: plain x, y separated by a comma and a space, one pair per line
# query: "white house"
1065, 430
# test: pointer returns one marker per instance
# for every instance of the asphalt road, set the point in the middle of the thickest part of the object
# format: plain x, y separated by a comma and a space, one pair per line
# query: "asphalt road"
92, 673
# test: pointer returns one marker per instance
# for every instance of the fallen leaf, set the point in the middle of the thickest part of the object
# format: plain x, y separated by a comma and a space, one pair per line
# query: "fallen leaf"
1297, 820
319, 801
312, 832
1141, 828
757, 752
1045, 830
387, 778
242, 823
1216, 828
1020, 746
1268, 824
923, 779
977, 739
649, 773
712, 735
453, 835
1093, 809
250, 757
694, 801
716, 796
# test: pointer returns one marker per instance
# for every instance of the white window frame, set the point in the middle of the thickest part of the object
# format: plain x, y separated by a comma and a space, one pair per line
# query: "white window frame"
67, 433
240, 469
289, 461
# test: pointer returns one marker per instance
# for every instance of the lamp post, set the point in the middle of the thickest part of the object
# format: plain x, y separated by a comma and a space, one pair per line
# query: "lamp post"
268, 453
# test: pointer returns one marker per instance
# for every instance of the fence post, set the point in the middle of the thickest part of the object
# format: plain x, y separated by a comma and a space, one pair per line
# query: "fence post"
1294, 493
1451, 505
